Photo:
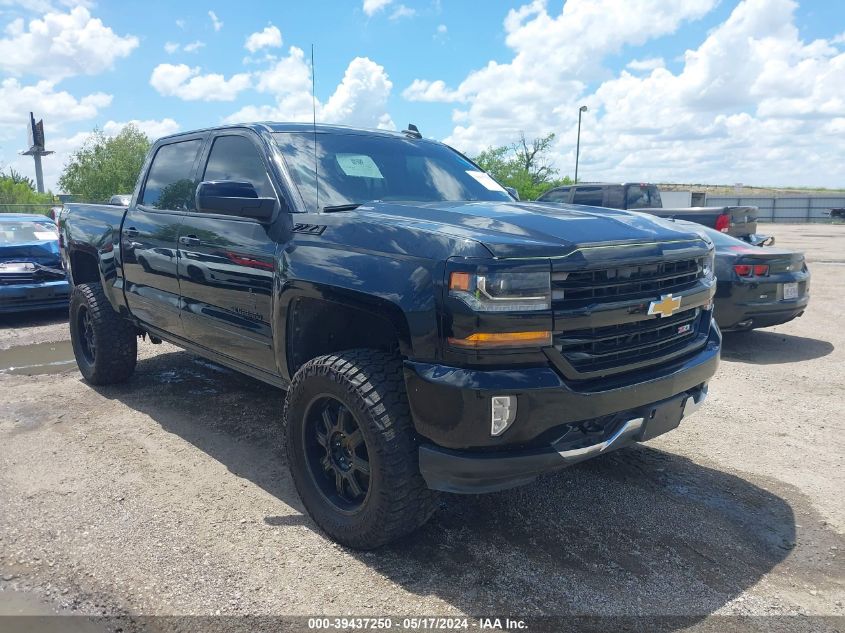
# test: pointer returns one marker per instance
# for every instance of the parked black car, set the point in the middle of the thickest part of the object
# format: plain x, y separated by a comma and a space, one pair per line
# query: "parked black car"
740, 221
432, 333
756, 287
31, 273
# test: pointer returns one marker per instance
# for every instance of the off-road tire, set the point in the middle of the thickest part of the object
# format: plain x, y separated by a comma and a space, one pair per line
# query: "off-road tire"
369, 383
115, 338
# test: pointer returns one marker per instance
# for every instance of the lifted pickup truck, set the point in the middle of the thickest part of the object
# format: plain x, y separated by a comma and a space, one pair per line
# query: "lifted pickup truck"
432, 333
738, 222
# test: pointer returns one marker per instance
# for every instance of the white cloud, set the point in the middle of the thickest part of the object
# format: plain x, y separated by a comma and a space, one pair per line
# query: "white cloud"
216, 22
56, 107
360, 98
192, 47
154, 128
647, 64
752, 101
423, 90
442, 29
374, 6
180, 24
189, 84
270, 37
402, 12
62, 45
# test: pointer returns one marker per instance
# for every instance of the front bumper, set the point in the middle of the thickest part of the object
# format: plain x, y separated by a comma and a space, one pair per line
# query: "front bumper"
47, 295
464, 472
451, 408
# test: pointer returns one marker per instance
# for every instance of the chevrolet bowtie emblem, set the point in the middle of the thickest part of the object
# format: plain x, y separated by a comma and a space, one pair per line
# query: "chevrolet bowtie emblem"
667, 306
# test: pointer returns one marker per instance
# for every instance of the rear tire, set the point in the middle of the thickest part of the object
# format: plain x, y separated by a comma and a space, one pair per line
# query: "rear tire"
104, 343
352, 449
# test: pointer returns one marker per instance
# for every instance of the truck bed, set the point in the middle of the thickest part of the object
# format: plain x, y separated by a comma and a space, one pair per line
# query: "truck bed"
743, 220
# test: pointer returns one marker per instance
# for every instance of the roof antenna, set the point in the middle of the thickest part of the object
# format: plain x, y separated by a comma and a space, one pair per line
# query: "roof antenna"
314, 125
412, 131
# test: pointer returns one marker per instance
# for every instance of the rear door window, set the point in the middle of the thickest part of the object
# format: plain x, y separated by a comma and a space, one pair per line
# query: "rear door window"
642, 197
588, 195
170, 184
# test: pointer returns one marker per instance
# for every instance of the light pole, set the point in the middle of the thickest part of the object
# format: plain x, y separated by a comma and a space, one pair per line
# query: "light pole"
581, 110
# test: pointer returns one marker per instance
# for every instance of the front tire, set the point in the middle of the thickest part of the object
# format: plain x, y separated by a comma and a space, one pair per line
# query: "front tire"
352, 451
105, 344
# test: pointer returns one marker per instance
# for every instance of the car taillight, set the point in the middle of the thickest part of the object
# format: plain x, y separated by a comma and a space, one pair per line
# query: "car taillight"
723, 223
747, 270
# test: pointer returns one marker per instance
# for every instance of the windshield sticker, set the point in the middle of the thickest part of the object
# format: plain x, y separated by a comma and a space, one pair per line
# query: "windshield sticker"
45, 235
485, 180
358, 165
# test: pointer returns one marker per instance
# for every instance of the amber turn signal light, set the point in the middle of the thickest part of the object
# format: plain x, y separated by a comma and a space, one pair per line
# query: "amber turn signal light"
487, 340
459, 281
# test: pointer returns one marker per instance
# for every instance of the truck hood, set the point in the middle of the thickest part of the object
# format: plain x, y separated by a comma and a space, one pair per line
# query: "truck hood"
526, 229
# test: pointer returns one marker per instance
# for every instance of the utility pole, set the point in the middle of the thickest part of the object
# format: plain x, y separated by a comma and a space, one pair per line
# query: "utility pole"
581, 110
36, 149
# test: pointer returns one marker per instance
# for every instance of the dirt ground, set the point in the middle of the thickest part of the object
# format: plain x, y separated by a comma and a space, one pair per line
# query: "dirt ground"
170, 495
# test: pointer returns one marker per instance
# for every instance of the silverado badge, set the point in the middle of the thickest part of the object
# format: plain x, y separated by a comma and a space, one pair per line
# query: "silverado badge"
667, 306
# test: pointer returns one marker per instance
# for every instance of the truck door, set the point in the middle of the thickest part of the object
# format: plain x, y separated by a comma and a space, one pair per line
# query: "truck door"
149, 232
226, 262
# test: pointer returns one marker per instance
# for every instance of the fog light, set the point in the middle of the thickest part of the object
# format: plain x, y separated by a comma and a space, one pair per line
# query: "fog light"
503, 413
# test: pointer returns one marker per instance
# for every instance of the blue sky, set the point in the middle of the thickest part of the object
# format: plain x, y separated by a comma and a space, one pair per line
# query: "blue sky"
689, 90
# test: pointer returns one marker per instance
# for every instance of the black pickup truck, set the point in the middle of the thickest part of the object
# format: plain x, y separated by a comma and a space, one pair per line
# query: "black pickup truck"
738, 221
432, 333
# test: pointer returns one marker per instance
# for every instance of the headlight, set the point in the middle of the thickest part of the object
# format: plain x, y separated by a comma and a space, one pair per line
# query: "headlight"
502, 291
708, 263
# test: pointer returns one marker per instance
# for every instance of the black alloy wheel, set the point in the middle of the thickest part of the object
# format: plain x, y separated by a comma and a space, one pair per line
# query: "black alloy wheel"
336, 453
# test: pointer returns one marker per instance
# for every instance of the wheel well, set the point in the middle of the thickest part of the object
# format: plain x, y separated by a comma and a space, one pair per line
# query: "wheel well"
317, 327
84, 268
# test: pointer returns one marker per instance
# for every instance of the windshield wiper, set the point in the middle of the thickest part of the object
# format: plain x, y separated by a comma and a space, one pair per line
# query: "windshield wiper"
341, 207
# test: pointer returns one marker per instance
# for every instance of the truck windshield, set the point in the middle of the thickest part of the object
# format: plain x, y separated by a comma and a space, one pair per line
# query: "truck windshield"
642, 197
357, 168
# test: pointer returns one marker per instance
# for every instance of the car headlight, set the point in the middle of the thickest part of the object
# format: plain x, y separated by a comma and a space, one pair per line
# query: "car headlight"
502, 291
708, 264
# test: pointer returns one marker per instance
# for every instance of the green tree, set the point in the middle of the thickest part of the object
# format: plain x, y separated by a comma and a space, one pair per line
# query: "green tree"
17, 178
105, 166
523, 165
17, 195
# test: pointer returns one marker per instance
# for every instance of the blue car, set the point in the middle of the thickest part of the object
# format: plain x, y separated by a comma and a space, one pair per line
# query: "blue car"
31, 273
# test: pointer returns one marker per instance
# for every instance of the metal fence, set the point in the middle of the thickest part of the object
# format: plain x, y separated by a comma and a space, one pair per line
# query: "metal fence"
795, 209
41, 209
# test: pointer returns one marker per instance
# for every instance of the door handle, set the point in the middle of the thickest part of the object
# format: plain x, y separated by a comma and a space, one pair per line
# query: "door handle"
131, 232
189, 240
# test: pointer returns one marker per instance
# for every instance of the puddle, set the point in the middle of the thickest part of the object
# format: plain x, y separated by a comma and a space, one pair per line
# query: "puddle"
40, 358
35, 615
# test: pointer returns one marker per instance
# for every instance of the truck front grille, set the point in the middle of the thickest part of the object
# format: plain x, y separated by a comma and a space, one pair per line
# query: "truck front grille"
581, 288
12, 279
609, 347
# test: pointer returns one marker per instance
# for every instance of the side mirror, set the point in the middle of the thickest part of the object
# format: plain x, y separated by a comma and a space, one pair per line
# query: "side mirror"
233, 197
513, 192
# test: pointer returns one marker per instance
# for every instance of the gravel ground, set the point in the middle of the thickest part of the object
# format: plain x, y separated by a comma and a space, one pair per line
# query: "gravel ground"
170, 495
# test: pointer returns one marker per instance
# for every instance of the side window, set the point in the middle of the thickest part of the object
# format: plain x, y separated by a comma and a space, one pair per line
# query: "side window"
588, 195
557, 195
170, 184
236, 158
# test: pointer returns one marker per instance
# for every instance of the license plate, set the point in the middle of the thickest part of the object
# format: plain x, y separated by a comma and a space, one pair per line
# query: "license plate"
790, 291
